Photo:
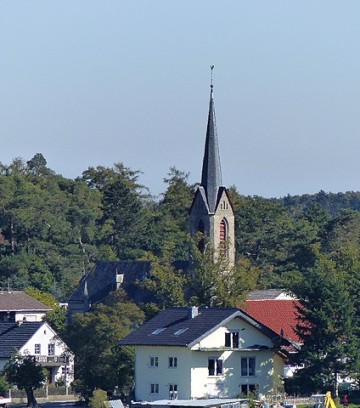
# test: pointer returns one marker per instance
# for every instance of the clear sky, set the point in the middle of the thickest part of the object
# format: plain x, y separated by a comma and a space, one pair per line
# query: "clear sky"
94, 82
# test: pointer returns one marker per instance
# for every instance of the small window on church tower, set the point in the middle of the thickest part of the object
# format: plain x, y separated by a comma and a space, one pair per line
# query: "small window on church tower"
223, 236
201, 243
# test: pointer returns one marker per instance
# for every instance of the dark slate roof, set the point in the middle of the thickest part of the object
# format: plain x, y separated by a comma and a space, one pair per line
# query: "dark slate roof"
175, 320
98, 283
211, 179
266, 294
14, 336
175, 327
20, 301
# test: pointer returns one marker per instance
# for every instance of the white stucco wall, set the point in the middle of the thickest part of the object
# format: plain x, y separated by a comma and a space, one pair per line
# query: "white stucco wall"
44, 336
29, 316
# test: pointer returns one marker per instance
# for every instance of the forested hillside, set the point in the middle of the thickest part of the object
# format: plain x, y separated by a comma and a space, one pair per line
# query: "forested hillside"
52, 229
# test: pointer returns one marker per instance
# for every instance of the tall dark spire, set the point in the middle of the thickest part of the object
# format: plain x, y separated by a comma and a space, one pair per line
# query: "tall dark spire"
211, 171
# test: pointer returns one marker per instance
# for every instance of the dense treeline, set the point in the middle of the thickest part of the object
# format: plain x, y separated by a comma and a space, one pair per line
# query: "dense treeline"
53, 229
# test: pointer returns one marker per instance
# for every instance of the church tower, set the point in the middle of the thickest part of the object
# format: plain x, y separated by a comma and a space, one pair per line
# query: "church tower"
211, 212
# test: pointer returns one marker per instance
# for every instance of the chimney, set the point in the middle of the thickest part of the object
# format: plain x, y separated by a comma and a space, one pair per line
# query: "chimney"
193, 311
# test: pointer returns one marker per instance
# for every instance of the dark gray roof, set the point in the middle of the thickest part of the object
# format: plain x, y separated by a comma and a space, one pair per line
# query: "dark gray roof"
266, 294
98, 283
19, 301
169, 323
211, 179
14, 336
175, 327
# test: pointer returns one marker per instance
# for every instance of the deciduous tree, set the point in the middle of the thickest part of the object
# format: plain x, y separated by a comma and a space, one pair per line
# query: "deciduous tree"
26, 374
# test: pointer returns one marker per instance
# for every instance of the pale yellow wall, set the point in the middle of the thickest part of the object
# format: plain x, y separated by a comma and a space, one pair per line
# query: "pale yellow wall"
229, 383
249, 336
145, 375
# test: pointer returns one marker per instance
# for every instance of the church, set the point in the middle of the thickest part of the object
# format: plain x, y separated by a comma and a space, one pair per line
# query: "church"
211, 214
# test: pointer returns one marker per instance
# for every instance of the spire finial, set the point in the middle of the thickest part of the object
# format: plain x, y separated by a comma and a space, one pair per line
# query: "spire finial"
211, 76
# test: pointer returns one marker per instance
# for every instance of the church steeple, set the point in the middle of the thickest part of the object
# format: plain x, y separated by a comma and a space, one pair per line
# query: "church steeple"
211, 212
211, 179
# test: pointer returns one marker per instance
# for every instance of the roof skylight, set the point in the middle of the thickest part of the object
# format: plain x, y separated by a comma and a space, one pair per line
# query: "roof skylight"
180, 331
158, 331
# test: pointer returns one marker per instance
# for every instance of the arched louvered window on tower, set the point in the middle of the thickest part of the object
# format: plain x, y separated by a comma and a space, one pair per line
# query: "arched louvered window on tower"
223, 237
201, 230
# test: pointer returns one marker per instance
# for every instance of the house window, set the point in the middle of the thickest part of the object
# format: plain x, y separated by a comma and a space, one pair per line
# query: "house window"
51, 349
154, 388
248, 366
172, 362
37, 349
247, 389
215, 366
173, 391
232, 339
154, 361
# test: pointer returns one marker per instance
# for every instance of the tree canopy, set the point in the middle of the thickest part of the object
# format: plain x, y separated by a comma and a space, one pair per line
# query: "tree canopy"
53, 229
26, 374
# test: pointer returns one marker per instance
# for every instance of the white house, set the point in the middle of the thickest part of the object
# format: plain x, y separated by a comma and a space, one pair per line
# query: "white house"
37, 339
18, 306
191, 353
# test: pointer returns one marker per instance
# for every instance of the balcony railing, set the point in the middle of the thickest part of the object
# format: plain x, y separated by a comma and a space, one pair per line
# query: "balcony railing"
51, 359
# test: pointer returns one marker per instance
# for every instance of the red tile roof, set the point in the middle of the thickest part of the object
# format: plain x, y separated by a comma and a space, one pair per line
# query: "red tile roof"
278, 315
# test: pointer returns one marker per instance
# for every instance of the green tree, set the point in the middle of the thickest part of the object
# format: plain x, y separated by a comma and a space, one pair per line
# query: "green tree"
37, 166
48, 227
273, 241
342, 231
172, 221
4, 386
166, 284
98, 399
327, 324
93, 337
213, 283
26, 374
55, 317
123, 226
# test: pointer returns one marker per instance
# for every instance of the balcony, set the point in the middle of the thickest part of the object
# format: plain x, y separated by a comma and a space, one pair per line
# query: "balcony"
51, 360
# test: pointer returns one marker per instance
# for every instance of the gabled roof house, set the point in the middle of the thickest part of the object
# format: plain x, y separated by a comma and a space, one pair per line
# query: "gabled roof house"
37, 339
18, 306
191, 353
108, 276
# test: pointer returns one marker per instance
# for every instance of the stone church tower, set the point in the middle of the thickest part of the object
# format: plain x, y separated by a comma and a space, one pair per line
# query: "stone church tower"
211, 212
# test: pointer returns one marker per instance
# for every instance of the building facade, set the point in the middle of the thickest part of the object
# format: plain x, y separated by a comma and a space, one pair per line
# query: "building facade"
190, 353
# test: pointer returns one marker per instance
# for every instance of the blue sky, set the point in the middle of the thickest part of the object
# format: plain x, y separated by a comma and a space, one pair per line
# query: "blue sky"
90, 82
